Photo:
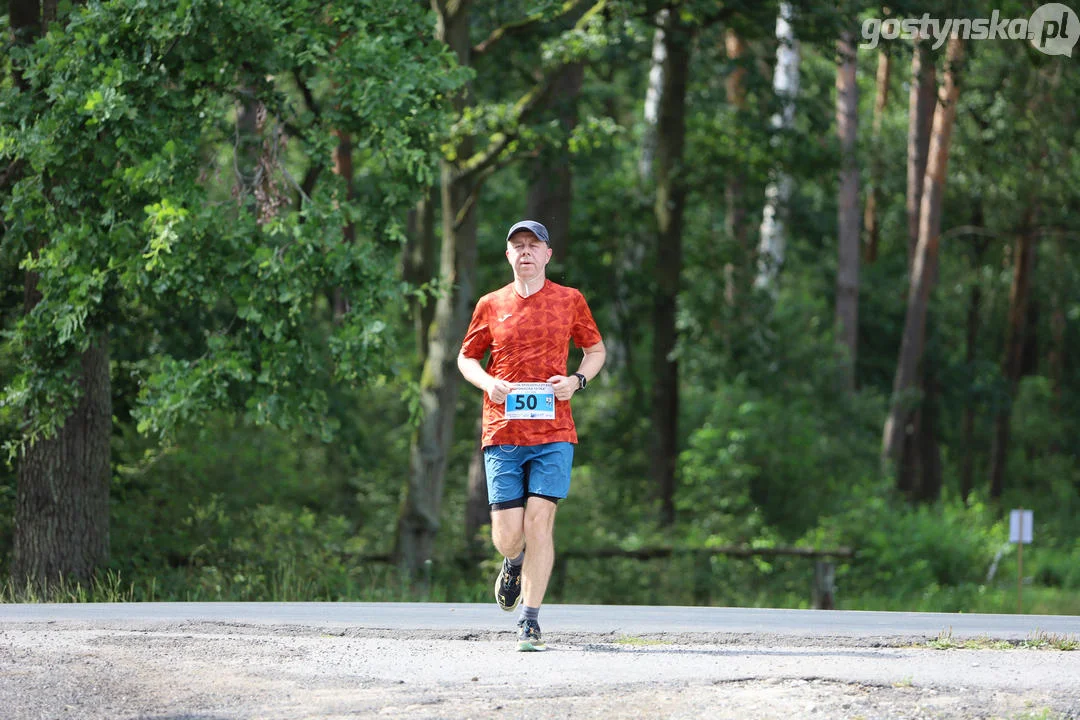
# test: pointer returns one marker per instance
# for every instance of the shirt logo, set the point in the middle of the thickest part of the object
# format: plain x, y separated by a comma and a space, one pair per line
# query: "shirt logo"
505, 316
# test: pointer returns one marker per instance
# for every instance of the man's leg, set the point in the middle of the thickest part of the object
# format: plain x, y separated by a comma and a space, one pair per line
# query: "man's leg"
507, 531
503, 465
539, 519
508, 535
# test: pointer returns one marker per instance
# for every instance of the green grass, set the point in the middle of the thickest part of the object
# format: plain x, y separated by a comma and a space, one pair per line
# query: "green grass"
634, 641
1039, 640
1044, 640
971, 599
1040, 714
107, 587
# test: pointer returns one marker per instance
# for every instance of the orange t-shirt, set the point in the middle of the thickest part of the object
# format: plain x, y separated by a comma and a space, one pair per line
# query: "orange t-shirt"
529, 340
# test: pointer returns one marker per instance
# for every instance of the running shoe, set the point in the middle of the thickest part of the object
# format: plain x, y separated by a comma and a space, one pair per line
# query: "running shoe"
508, 586
529, 636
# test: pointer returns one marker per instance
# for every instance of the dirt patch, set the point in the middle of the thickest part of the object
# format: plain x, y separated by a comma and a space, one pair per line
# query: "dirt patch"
226, 671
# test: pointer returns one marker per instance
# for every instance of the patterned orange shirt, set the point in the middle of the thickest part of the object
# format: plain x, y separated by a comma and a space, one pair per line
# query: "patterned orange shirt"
529, 339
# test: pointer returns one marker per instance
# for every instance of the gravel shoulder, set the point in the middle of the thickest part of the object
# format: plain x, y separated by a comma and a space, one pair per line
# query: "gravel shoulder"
230, 670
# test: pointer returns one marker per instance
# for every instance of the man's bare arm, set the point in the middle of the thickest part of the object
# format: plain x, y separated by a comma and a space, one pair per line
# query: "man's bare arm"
591, 363
474, 372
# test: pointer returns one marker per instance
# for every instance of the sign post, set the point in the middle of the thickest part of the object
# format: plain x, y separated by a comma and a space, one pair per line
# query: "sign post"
1020, 525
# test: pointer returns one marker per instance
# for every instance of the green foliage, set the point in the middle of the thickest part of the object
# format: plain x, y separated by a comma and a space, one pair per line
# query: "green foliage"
920, 549
128, 97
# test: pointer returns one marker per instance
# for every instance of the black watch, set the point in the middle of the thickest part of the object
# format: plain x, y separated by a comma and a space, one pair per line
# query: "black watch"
582, 382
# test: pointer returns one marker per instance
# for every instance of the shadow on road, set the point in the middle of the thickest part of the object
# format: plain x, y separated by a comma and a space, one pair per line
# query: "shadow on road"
667, 649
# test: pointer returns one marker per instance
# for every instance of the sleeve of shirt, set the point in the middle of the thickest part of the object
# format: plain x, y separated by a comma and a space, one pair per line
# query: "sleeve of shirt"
478, 336
584, 332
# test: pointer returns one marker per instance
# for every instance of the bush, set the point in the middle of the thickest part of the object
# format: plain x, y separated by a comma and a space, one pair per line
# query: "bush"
904, 550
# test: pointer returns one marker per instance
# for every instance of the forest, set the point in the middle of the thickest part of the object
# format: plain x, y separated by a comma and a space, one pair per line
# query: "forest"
831, 248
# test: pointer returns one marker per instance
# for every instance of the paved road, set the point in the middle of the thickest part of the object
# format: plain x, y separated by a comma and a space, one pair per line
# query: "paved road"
287, 661
600, 619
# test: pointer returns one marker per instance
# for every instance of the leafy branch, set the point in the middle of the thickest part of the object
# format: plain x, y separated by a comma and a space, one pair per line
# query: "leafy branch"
524, 26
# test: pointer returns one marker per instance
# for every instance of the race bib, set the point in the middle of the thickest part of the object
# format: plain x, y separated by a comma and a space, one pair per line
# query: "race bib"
531, 401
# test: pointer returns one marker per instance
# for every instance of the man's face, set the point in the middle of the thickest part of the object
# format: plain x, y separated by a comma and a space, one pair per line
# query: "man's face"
528, 254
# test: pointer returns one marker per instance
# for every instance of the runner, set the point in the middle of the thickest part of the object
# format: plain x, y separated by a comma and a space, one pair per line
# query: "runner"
528, 431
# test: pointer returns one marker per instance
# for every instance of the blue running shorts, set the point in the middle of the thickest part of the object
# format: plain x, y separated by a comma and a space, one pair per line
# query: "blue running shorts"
517, 471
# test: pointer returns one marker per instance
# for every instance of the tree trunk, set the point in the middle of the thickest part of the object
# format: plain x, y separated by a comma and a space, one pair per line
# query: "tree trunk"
62, 482
419, 267
1029, 355
928, 488
418, 521
908, 461
877, 160
343, 168
1055, 363
737, 275
62, 497
668, 210
772, 245
967, 460
477, 509
921, 101
1012, 359
847, 274
49, 14
967, 430
924, 268
652, 96
735, 87
25, 19
550, 194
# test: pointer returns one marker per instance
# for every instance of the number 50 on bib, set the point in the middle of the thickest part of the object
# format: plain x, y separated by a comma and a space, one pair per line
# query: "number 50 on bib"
531, 401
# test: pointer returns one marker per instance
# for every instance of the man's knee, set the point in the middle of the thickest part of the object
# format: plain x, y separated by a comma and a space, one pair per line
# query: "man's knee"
506, 529
539, 520
507, 537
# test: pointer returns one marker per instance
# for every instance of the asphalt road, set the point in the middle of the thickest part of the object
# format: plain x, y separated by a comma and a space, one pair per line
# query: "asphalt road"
597, 619
286, 661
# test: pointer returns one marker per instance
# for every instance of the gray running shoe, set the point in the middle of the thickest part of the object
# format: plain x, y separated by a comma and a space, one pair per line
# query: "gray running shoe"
529, 636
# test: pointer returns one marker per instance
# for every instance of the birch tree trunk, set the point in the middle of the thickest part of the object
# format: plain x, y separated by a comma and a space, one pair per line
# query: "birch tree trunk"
652, 96
778, 192
847, 274
924, 268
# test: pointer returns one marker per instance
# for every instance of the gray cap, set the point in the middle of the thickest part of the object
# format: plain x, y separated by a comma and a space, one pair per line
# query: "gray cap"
531, 226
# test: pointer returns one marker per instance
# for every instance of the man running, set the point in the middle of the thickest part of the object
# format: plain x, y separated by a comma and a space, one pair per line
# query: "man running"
528, 431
